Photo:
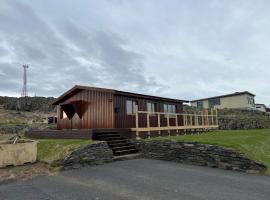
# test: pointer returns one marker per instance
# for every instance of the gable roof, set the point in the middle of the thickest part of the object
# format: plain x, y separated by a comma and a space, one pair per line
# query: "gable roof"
78, 88
226, 95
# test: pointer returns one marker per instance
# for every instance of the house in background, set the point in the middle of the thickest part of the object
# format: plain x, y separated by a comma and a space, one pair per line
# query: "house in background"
261, 107
237, 100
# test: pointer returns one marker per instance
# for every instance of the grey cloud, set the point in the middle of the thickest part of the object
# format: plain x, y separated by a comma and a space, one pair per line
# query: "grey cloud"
180, 49
54, 64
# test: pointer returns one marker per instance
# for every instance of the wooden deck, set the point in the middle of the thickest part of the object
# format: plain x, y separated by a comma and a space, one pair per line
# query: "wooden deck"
202, 120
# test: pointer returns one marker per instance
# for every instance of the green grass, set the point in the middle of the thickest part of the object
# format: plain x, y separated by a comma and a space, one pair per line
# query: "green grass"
255, 144
52, 150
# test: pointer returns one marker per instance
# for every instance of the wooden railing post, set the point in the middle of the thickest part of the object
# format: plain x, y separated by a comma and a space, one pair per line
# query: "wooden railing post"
216, 117
207, 117
196, 119
203, 118
168, 124
212, 117
148, 124
176, 123
159, 123
137, 121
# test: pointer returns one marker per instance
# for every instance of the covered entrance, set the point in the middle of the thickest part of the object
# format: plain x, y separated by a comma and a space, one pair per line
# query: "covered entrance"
72, 112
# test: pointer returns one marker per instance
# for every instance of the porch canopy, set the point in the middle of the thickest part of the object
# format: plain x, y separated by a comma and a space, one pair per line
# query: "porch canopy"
73, 107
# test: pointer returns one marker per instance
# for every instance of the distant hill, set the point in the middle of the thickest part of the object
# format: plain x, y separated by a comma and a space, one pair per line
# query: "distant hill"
31, 104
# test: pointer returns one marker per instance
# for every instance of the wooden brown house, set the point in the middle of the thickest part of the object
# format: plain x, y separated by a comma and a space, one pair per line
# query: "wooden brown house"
96, 108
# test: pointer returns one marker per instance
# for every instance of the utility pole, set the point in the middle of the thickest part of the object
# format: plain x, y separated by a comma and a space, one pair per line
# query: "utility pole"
24, 89
24, 94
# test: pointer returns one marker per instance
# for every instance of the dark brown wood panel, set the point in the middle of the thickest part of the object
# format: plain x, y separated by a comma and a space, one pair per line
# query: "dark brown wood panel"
123, 120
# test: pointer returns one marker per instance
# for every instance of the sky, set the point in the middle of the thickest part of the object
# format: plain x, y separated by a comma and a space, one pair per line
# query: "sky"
185, 49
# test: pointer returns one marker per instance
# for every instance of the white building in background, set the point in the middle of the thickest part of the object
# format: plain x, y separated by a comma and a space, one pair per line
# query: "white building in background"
261, 107
237, 100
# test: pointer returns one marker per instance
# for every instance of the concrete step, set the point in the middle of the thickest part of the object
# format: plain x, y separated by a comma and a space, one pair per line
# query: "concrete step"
117, 144
109, 138
108, 135
118, 141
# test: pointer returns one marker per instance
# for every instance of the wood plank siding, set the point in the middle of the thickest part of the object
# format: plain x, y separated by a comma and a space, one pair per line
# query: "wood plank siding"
124, 120
96, 110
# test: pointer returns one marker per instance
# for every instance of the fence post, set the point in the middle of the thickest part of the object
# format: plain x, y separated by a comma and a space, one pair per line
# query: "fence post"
196, 119
212, 117
176, 123
168, 124
159, 123
207, 118
137, 121
216, 117
203, 118
148, 124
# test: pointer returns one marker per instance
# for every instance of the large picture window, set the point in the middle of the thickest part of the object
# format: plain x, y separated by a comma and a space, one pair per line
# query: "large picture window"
130, 107
169, 108
150, 107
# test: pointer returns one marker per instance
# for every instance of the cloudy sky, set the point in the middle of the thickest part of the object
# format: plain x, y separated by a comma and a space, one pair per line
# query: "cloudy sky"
184, 49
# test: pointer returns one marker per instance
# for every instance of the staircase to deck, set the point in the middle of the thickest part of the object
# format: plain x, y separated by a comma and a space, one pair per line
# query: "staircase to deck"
120, 145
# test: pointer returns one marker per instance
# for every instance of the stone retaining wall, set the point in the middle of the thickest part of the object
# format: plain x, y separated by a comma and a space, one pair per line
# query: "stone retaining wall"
92, 154
198, 154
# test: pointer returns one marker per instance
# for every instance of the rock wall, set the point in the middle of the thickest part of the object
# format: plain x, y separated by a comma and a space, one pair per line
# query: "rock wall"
198, 154
92, 154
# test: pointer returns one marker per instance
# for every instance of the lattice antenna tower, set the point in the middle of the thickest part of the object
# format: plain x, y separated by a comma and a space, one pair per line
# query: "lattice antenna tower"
24, 89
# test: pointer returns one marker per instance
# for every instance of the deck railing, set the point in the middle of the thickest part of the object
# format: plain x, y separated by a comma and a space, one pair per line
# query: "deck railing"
197, 120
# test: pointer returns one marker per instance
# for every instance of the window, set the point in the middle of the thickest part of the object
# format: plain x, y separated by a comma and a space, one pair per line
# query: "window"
150, 107
214, 102
168, 108
200, 104
251, 101
130, 107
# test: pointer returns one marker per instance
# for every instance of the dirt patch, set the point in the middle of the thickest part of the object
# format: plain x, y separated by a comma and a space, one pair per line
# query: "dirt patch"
6, 136
25, 172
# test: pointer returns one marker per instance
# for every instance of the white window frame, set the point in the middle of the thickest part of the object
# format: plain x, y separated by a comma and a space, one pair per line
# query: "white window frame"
130, 107
170, 108
151, 107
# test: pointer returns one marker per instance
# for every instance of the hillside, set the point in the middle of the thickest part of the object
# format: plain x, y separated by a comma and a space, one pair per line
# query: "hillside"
31, 104
18, 115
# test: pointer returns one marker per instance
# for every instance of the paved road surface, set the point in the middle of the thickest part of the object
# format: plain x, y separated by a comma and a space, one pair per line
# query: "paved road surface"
142, 179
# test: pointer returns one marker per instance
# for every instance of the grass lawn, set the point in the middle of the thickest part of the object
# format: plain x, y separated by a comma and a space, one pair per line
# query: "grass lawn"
255, 144
51, 150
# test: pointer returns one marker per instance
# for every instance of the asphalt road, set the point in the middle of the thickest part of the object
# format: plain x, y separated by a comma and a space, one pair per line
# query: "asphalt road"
142, 179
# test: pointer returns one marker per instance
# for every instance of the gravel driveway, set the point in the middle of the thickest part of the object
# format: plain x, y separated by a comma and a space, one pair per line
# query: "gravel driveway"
142, 179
